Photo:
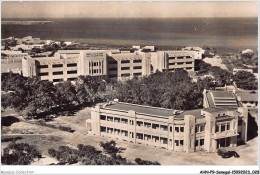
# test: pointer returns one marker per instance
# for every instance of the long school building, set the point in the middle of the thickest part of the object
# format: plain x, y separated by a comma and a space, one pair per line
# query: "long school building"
116, 65
189, 131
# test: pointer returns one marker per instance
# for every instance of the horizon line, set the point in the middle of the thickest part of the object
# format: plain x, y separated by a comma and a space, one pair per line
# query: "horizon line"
120, 17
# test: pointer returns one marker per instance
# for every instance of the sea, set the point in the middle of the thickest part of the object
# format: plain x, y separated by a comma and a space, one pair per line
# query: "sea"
225, 33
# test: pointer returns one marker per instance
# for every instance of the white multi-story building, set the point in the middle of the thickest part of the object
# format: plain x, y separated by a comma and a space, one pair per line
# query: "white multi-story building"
201, 129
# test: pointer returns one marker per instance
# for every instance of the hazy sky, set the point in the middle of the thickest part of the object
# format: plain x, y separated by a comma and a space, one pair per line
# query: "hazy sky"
60, 9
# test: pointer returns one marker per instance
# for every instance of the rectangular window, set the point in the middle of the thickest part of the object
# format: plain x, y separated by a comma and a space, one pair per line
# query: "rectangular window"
137, 67
170, 129
180, 63
171, 58
42, 66
196, 143
188, 68
197, 129
72, 65
228, 126
57, 73
202, 128
201, 142
180, 57
176, 142
171, 63
125, 68
125, 121
112, 69
125, 61
217, 128
181, 142
188, 62
137, 61
137, 74
125, 75
177, 129
102, 117
57, 80
72, 72
155, 126
57, 65
222, 127
181, 129
43, 74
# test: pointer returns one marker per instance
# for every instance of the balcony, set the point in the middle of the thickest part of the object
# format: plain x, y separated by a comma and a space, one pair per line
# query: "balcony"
225, 134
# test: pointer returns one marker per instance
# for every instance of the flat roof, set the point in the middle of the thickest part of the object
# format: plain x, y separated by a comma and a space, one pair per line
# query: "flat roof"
141, 109
222, 94
248, 95
194, 112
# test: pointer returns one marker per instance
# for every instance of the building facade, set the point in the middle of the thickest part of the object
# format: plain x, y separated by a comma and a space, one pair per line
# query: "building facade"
189, 131
172, 60
116, 65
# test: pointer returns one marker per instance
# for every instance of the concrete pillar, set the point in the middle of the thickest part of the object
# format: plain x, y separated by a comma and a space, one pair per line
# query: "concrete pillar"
209, 143
189, 133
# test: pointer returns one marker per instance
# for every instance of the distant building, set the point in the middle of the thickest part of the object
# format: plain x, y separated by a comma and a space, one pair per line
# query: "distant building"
216, 99
189, 131
235, 70
124, 66
248, 99
198, 52
24, 47
172, 60
114, 64
9, 56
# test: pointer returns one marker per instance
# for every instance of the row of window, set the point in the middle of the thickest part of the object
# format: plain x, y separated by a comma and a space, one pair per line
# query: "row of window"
59, 80
140, 136
199, 128
179, 57
140, 123
134, 74
199, 142
180, 63
222, 127
57, 73
128, 68
94, 71
57, 65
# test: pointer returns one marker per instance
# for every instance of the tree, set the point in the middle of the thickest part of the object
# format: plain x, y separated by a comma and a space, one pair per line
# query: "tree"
245, 80
222, 76
110, 148
19, 154
66, 93
168, 90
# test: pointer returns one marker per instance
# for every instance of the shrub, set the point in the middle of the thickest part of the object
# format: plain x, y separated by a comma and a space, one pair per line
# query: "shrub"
19, 154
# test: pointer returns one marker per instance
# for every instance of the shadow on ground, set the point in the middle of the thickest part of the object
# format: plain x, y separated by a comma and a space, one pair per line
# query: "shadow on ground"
9, 120
11, 139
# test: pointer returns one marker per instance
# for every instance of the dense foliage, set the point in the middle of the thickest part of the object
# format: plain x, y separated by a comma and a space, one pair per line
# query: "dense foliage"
30, 97
169, 90
245, 80
110, 148
88, 155
19, 154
